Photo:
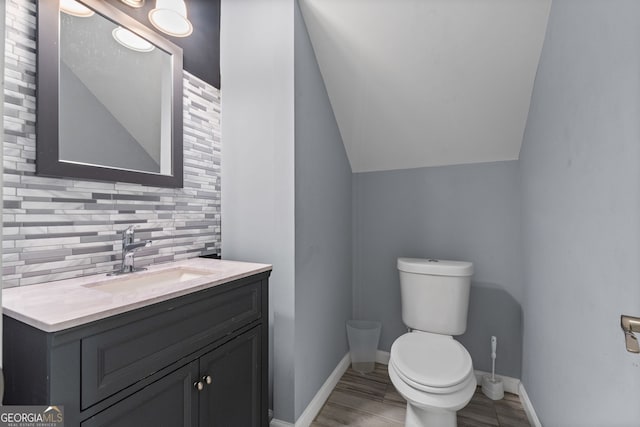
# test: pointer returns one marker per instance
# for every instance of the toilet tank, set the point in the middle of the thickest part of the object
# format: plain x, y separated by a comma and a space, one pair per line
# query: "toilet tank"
435, 294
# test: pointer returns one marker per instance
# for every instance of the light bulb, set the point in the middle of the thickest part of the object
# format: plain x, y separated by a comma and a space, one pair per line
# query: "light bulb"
133, 3
72, 7
170, 17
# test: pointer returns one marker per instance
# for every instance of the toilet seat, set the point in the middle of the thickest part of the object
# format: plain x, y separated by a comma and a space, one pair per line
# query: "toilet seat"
431, 363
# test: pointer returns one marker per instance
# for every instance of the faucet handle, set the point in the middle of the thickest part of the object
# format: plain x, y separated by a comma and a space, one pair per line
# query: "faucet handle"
129, 234
131, 229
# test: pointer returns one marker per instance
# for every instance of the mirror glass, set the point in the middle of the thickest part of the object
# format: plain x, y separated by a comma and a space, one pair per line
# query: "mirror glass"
110, 97
115, 96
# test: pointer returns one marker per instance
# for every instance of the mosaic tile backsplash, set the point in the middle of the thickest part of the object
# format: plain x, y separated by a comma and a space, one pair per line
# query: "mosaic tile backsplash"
60, 228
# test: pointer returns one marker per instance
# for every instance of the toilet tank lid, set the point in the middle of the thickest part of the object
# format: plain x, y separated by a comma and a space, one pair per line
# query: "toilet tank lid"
436, 267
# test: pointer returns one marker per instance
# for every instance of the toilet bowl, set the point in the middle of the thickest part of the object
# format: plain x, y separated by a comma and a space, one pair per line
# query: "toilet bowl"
429, 368
434, 374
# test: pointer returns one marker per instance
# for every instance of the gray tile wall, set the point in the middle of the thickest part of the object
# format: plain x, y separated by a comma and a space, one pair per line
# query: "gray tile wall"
61, 228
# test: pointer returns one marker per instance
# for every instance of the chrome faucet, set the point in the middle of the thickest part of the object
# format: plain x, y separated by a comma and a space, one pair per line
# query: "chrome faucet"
630, 325
128, 250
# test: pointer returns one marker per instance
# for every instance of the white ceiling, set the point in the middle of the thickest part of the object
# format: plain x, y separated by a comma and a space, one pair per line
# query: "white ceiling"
417, 83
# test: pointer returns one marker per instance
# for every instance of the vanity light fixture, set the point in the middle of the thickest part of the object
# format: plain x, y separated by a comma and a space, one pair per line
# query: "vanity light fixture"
170, 17
133, 3
72, 7
131, 40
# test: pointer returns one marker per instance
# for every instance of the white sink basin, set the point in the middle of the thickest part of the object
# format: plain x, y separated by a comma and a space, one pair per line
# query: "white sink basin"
149, 280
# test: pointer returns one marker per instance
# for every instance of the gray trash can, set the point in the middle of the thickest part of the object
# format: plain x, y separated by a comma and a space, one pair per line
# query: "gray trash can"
363, 336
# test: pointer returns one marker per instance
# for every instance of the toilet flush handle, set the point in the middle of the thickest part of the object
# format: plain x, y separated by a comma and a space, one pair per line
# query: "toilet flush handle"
630, 325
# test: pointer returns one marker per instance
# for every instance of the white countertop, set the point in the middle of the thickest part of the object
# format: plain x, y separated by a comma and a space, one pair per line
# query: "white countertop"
63, 304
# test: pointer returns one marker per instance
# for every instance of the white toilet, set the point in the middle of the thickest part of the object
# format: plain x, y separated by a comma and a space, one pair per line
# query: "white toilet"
430, 369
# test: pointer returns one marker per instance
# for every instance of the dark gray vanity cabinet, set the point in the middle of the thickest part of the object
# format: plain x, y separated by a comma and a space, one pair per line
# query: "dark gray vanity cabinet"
170, 401
232, 398
196, 360
221, 388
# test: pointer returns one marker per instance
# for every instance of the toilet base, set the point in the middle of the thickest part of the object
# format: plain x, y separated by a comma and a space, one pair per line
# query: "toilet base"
418, 417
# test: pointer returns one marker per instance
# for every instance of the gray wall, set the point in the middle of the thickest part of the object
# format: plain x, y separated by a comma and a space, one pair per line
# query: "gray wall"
465, 212
287, 195
323, 228
256, 59
580, 166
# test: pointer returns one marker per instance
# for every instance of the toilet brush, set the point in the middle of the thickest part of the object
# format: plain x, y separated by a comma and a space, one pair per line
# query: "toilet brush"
492, 387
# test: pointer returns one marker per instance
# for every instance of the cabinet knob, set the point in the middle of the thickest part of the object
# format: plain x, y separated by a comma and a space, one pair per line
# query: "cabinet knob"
207, 379
199, 385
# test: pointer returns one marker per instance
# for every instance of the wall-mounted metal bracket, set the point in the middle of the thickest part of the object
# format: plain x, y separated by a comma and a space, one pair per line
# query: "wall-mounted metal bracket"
630, 325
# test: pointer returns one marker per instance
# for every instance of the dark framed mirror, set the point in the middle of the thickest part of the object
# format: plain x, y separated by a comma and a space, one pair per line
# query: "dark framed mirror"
109, 97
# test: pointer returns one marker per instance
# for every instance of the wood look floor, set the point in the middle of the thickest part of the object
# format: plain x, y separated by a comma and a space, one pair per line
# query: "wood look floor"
370, 400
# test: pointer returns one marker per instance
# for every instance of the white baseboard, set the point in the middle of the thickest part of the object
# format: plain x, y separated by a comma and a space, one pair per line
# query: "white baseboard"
515, 386
277, 423
314, 407
528, 407
383, 357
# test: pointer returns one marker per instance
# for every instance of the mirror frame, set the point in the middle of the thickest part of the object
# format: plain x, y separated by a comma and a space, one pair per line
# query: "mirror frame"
47, 101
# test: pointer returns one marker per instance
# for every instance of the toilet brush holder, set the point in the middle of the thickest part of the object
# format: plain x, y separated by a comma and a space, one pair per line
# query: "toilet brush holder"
492, 388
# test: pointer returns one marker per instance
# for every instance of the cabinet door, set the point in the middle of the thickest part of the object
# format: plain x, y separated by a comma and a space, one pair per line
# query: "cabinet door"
168, 402
116, 358
233, 397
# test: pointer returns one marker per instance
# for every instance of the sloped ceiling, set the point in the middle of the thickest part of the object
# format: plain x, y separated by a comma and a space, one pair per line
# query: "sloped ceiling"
417, 83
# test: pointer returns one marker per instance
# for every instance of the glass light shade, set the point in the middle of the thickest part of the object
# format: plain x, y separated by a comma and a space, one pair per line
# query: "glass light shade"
133, 3
72, 7
131, 40
170, 17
